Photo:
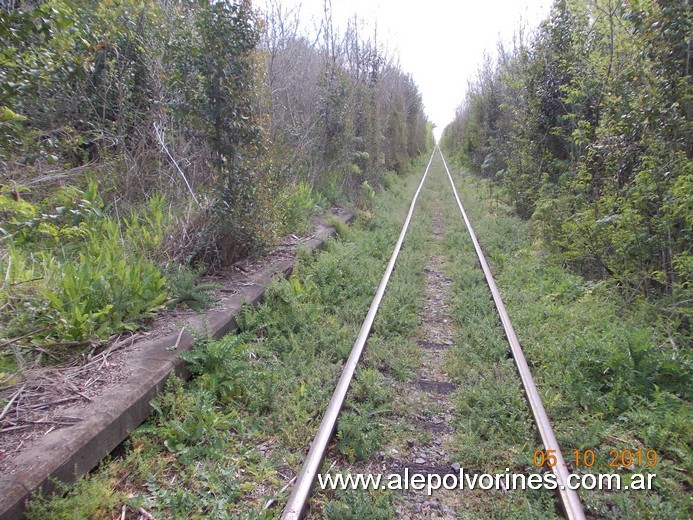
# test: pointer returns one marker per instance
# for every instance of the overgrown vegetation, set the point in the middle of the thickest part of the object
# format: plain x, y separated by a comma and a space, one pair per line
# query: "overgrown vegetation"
222, 444
611, 375
72, 274
138, 136
586, 125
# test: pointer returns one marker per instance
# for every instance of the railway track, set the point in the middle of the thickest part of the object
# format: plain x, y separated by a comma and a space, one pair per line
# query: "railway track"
301, 491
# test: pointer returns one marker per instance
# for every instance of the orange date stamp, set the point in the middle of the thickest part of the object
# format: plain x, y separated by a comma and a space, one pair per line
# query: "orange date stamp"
588, 458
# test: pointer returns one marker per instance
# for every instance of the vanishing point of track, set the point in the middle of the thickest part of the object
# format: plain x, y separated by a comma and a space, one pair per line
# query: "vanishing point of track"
295, 506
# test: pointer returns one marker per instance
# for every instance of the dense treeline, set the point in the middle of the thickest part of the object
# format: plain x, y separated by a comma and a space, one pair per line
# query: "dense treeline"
587, 127
168, 97
342, 105
137, 136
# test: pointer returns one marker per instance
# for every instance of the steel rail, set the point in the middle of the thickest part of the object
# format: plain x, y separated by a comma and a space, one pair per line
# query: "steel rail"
298, 500
569, 497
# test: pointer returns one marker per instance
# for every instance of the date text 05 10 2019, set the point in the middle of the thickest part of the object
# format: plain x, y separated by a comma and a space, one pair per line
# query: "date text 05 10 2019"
587, 458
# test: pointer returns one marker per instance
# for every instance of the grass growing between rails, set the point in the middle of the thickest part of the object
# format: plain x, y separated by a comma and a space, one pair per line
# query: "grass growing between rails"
491, 424
224, 443
372, 419
612, 376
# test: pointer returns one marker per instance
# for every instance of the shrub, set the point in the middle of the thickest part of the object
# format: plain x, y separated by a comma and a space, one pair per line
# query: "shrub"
298, 204
74, 272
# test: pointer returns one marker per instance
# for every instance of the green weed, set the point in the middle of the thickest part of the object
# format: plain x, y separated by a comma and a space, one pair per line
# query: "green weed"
257, 396
71, 272
357, 505
358, 434
93, 498
181, 282
370, 388
340, 227
297, 205
611, 374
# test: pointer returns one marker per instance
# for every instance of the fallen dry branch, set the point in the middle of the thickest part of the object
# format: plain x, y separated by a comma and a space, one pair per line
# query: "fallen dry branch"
36, 401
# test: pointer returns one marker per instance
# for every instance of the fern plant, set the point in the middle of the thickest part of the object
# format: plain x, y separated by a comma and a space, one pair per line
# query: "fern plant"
184, 289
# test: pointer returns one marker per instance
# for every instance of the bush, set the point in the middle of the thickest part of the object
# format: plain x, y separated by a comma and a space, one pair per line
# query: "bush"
298, 204
73, 272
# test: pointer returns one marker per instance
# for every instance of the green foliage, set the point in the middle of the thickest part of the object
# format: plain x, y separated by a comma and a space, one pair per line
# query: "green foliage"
182, 285
191, 426
73, 272
96, 294
257, 396
88, 499
213, 61
611, 374
226, 371
355, 505
168, 95
66, 217
76, 71
370, 390
586, 128
340, 227
358, 435
298, 204
148, 87
389, 180
367, 196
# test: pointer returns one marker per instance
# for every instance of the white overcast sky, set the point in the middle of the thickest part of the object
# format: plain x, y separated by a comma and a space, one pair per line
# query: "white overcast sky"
439, 42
